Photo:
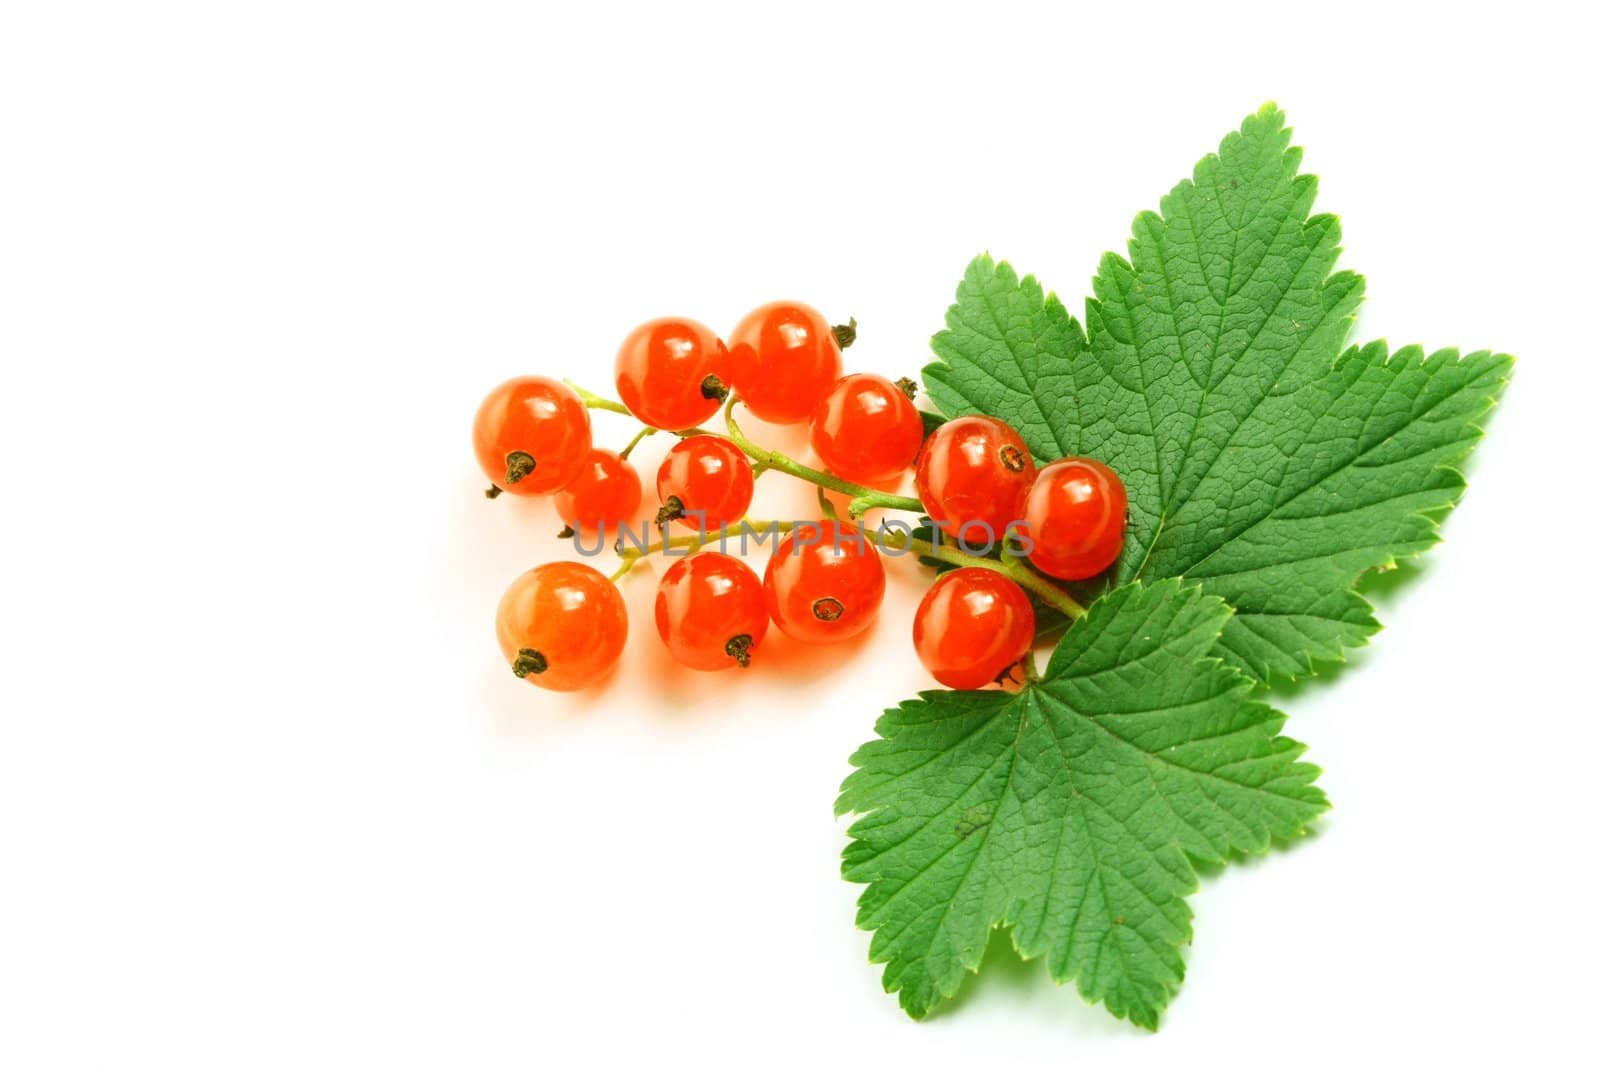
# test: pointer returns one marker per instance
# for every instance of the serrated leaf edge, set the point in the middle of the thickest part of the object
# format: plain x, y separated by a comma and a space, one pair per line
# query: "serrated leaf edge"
1241, 682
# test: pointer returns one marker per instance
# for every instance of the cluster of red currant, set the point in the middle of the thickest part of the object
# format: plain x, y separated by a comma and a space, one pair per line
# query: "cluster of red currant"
563, 625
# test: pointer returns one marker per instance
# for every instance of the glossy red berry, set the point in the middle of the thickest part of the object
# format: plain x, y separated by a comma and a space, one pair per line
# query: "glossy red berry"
604, 495
973, 476
710, 611
672, 373
1076, 513
783, 357
706, 475
531, 436
824, 583
972, 627
562, 626
865, 429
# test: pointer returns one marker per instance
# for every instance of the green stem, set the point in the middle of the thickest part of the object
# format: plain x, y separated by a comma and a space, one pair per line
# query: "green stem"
640, 436
1012, 567
872, 498
595, 400
1037, 584
826, 505
766, 457
862, 497
630, 556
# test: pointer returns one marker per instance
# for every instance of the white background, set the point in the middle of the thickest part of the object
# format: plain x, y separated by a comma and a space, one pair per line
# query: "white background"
267, 792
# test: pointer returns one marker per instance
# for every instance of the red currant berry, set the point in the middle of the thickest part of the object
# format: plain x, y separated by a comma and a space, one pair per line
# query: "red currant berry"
672, 373
710, 611
974, 470
531, 436
562, 626
604, 495
784, 357
972, 627
705, 481
1076, 513
824, 583
865, 429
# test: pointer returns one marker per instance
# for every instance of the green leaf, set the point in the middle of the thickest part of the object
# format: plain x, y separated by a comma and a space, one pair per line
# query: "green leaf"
1258, 461
1069, 811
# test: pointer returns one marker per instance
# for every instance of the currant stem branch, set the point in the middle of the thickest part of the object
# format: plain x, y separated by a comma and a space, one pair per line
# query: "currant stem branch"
595, 400
863, 498
1011, 566
826, 505
872, 498
774, 460
1052, 594
631, 445
742, 528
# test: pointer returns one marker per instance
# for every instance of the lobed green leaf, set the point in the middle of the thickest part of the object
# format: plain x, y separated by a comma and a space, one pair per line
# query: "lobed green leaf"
1259, 462
1268, 466
1069, 811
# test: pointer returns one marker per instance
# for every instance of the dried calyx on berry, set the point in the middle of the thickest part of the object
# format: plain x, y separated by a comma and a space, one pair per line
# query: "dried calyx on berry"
845, 335
738, 647
518, 466
529, 661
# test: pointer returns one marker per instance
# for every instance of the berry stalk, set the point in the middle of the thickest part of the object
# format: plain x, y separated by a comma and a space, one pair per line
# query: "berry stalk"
1011, 566
862, 497
627, 450
595, 400
696, 541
